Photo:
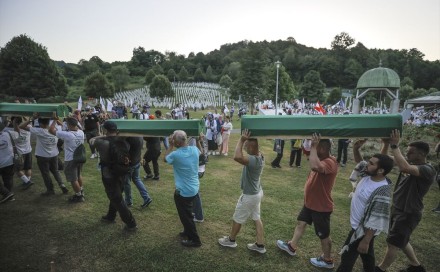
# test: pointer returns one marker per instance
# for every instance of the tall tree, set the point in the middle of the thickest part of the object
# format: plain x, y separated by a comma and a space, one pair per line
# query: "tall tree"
120, 76
97, 85
183, 74
286, 89
209, 75
171, 75
149, 76
225, 81
312, 88
342, 41
199, 76
161, 87
26, 70
250, 82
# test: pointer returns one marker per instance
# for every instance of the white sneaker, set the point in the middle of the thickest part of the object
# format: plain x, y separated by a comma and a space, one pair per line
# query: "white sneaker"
256, 248
93, 156
283, 245
226, 154
224, 241
320, 262
198, 220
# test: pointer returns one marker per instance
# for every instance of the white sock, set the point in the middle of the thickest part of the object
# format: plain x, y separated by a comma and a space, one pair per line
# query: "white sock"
24, 179
78, 194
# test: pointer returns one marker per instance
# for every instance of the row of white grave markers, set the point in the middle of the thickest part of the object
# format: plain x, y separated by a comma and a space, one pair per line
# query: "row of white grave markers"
190, 95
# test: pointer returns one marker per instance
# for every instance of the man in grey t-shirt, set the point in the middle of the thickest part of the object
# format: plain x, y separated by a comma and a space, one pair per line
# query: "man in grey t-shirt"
249, 202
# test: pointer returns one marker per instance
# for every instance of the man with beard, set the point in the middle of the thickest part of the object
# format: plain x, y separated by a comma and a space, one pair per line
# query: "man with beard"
369, 211
415, 179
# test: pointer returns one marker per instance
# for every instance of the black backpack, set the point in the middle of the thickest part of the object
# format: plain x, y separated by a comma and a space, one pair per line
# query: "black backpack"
119, 156
79, 154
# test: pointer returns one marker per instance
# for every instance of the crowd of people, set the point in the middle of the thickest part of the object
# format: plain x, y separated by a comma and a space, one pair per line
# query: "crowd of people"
375, 207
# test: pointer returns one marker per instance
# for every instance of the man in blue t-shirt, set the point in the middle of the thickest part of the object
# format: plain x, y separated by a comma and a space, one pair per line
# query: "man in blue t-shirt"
185, 162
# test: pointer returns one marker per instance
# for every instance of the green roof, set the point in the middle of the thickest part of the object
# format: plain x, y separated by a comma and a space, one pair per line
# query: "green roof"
329, 126
379, 78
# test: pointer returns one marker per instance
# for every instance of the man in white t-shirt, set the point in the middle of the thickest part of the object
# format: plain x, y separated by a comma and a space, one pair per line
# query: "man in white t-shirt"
6, 164
46, 152
73, 137
369, 213
23, 145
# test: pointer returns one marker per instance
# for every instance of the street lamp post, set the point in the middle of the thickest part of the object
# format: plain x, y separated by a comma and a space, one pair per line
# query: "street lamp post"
276, 93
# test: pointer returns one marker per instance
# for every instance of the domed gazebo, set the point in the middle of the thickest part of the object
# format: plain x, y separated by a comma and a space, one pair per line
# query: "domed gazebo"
378, 79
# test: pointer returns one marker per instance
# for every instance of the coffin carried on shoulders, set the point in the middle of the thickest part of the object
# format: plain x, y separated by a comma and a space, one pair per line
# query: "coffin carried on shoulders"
43, 110
158, 127
329, 126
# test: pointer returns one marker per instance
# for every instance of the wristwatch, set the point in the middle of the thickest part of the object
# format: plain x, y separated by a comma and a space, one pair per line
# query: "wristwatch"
393, 146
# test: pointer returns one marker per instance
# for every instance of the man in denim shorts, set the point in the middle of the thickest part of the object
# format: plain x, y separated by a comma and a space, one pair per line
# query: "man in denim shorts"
248, 204
318, 202
414, 181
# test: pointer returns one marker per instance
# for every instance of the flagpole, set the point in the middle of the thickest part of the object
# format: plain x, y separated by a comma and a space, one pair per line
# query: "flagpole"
276, 93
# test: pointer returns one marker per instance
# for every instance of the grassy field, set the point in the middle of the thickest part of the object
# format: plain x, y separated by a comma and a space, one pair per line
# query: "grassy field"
36, 231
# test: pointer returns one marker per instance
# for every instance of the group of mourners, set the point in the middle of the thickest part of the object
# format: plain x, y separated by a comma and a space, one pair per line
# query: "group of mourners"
375, 208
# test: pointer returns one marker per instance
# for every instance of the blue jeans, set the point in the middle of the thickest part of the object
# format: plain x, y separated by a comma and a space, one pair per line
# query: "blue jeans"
133, 175
165, 142
197, 204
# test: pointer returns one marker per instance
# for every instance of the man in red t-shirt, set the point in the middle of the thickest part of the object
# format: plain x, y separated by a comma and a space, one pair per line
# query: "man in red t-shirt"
318, 202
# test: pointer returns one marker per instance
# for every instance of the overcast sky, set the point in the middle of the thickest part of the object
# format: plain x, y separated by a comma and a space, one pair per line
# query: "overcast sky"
110, 29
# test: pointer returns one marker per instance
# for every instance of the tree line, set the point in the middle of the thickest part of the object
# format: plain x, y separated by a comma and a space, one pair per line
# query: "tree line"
247, 68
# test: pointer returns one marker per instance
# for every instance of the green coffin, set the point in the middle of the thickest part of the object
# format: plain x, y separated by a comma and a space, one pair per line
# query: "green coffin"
158, 127
329, 126
43, 110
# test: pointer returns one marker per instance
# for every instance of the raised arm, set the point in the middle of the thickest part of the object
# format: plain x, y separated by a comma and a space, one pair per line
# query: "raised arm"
399, 159
238, 155
356, 150
314, 161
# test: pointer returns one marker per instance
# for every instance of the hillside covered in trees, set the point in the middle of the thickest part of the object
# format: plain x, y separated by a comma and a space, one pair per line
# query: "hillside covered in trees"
246, 67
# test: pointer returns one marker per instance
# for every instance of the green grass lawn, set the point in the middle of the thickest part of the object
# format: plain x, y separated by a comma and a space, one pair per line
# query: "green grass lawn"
36, 231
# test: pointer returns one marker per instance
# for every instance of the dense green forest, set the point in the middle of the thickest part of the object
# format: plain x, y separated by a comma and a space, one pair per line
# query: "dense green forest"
246, 67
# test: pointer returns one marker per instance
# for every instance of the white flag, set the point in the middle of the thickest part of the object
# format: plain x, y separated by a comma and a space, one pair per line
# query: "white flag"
80, 103
109, 106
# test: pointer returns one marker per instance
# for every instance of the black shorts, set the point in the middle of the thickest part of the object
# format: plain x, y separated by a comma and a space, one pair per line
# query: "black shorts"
27, 161
320, 220
401, 227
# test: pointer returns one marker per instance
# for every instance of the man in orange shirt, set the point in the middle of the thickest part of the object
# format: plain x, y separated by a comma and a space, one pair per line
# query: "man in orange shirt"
318, 202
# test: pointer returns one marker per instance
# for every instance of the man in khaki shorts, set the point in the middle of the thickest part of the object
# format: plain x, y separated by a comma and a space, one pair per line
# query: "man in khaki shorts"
72, 139
248, 204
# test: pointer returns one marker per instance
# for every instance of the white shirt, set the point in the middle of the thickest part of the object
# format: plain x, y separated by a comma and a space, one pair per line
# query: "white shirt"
72, 139
46, 143
363, 192
6, 150
144, 116
227, 127
23, 141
